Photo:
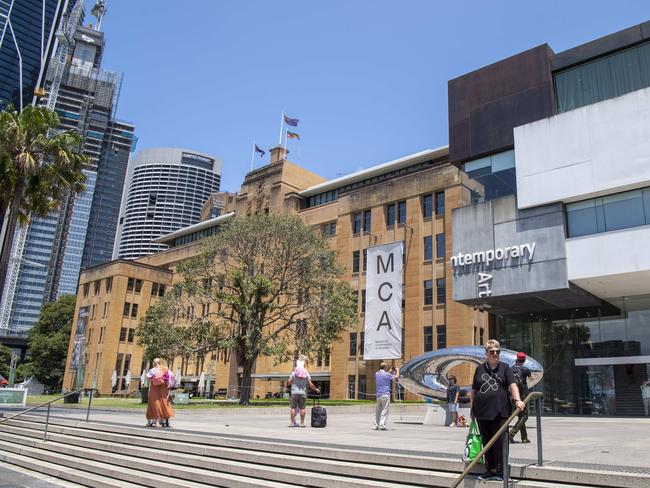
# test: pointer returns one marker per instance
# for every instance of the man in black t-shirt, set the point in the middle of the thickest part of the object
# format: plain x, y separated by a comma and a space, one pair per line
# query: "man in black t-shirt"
452, 400
490, 405
521, 374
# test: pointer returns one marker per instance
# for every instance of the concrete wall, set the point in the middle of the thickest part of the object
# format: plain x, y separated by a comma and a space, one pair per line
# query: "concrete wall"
594, 150
498, 224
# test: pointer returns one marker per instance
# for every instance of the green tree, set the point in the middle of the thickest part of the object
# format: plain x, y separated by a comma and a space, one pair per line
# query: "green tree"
5, 361
265, 285
48, 342
39, 165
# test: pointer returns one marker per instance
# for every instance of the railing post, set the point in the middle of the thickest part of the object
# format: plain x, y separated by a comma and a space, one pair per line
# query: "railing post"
538, 415
506, 458
90, 401
47, 421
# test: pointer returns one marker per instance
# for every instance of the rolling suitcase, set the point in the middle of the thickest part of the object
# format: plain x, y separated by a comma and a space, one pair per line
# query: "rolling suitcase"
318, 415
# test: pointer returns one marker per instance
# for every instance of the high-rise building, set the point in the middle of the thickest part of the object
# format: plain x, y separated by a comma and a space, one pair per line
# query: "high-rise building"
27, 42
167, 188
52, 257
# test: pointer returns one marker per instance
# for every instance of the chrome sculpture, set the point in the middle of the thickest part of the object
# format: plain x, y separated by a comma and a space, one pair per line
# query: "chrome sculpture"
426, 374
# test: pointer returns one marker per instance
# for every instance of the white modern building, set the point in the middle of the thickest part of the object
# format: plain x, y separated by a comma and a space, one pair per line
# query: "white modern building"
164, 191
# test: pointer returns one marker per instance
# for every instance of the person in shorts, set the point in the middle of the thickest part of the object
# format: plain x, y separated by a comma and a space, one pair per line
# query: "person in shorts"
453, 392
299, 381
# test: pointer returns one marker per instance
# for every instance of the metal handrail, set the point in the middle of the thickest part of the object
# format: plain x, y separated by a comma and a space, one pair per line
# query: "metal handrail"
502, 429
49, 404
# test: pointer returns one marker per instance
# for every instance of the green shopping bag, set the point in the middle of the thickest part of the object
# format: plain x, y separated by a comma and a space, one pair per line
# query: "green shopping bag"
473, 444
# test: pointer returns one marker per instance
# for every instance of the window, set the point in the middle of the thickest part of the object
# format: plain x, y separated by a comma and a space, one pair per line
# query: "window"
353, 343
351, 387
118, 362
96, 286
441, 336
108, 283
123, 332
428, 292
131, 336
356, 223
427, 206
157, 290
86, 288
428, 338
329, 229
481, 336
441, 291
362, 387
390, 215
440, 246
127, 309
130, 284
428, 248
440, 203
92, 313
401, 214
105, 312
363, 303
367, 220
365, 260
613, 212
134, 310
127, 365
323, 359
607, 77
355, 261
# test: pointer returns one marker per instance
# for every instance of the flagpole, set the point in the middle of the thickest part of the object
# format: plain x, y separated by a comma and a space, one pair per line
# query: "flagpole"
253, 156
281, 127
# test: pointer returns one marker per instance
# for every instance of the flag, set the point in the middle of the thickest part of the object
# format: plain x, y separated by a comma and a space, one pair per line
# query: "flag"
258, 150
290, 121
293, 135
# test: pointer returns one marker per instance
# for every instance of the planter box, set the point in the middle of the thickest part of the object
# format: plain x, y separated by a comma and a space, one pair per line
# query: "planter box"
181, 398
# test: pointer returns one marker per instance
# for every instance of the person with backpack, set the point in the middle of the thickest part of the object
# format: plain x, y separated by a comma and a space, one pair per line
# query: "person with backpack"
521, 374
299, 381
159, 409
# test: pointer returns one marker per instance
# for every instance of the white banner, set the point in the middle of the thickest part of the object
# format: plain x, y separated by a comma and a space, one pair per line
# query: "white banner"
383, 326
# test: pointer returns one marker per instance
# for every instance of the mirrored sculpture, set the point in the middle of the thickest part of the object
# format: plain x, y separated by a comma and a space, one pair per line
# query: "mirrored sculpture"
426, 374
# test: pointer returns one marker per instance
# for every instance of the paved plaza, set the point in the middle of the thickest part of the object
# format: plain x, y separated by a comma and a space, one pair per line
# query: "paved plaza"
616, 444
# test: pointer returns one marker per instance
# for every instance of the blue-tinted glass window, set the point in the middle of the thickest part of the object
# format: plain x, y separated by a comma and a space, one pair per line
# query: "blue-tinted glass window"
353, 346
428, 248
367, 220
427, 206
440, 246
623, 210
401, 212
440, 203
365, 260
390, 215
428, 292
428, 338
441, 291
441, 336
356, 223
355, 261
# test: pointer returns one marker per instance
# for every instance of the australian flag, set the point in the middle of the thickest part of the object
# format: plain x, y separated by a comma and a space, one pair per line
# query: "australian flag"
290, 121
258, 150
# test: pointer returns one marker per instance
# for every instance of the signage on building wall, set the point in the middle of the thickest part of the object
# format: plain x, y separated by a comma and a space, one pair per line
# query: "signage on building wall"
79, 338
384, 281
490, 256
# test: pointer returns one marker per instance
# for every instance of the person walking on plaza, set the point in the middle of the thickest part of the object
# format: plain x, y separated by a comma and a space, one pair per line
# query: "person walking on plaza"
521, 374
453, 392
383, 381
299, 381
159, 409
645, 395
490, 406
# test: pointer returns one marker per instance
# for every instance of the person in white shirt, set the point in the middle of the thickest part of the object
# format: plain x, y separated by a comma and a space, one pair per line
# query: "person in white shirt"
645, 395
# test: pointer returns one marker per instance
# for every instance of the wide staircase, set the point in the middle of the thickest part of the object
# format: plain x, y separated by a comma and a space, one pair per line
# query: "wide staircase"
112, 455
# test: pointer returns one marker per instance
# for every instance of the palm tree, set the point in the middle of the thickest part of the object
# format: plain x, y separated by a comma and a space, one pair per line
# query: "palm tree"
38, 166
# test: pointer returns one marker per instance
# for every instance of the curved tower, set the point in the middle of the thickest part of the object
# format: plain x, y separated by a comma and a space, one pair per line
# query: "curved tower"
165, 190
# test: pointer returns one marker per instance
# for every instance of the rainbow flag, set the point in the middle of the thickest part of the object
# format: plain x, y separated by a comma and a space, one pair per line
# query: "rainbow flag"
292, 135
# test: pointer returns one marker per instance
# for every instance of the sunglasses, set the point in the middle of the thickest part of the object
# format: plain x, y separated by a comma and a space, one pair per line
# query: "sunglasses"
494, 352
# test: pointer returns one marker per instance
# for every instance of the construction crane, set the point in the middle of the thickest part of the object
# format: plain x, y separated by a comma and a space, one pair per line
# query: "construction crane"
65, 42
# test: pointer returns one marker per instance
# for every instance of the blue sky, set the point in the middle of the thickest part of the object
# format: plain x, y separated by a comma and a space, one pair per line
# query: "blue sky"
366, 78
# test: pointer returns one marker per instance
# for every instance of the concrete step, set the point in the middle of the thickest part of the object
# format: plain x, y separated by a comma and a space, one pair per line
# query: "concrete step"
313, 471
179, 465
289, 462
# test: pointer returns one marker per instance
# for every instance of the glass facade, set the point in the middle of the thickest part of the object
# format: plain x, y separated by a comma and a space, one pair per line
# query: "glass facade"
74, 247
28, 21
593, 364
496, 173
613, 212
322, 198
608, 77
